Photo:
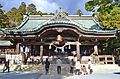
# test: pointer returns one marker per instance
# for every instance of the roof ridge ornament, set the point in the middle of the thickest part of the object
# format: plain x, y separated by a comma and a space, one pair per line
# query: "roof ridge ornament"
60, 16
60, 10
25, 16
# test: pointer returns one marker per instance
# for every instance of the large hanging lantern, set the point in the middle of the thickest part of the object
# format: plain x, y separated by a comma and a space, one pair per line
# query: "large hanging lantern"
59, 38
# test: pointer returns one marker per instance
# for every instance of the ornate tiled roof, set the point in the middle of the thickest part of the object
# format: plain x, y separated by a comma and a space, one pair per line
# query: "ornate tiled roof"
5, 43
1, 32
33, 23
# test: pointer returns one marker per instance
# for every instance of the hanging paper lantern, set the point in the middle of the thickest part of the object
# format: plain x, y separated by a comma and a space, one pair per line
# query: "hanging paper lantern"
59, 38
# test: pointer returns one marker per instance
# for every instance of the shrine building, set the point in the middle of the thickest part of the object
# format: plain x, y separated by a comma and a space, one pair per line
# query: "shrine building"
57, 35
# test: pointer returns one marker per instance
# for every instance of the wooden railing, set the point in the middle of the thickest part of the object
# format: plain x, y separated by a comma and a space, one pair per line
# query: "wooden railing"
106, 59
100, 59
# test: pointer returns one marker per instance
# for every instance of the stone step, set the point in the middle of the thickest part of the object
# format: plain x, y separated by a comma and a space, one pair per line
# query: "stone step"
64, 60
65, 68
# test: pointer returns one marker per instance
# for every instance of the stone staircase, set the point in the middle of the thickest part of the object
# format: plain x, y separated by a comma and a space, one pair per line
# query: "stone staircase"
65, 65
65, 69
63, 59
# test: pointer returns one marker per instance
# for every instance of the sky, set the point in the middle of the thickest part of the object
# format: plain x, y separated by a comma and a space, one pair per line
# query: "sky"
70, 6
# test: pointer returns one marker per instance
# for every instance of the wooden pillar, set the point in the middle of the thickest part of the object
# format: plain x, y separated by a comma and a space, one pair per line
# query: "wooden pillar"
96, 49
96, 54
78, 50
18, 48
41, 52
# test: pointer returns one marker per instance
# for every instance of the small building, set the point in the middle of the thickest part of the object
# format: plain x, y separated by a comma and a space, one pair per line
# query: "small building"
58, 35
5, 47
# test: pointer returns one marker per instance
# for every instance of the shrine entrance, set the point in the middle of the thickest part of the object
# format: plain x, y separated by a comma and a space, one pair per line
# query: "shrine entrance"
63, 50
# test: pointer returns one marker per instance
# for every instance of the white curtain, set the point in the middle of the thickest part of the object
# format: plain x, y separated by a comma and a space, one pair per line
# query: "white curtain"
21, 49
26, 49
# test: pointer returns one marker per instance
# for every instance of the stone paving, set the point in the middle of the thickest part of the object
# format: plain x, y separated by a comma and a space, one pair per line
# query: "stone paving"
20, 75
103, 73
39, 75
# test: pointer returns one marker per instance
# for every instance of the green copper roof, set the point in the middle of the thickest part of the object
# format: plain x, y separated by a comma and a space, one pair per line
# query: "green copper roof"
89, 24
83, 23
5, 43
31, 25
1, 32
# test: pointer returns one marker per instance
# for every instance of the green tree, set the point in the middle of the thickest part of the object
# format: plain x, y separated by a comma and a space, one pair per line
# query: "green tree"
21, 11
39, 13
12, 15
16, 15
79, 12
51, 14
22, 8
92, 4
44, 13
110, 18
3, 18
66, 13
117, 0
31, 9
108, 14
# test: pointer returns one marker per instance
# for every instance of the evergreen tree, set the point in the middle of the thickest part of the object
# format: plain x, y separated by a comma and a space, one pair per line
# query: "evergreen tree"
66, 13
21, 12
51, 14
108, 14
107, 11
39, 13
16, 15
44, 13
79, 12
3, 19
22, 8
31, 9
13, 15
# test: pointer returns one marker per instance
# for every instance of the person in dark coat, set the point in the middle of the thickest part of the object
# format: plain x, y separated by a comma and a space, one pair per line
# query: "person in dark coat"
47, 64
59, 64
6, 66
72, 64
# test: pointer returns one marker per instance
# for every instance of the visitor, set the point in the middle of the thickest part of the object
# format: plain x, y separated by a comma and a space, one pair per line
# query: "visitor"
84, 70
6, 66
47, 64
89, 66
24, 59
29, 61
78, 67
59, 64
72, 64
93, 58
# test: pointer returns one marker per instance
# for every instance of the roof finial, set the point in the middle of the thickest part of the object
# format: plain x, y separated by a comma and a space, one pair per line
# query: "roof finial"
61, 10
